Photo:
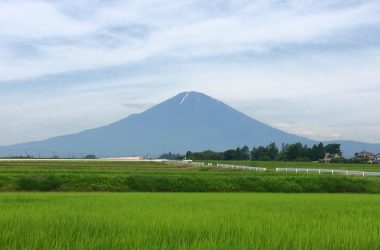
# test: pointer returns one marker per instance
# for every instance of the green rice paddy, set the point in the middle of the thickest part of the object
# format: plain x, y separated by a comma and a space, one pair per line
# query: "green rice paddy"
188, 221
169, 206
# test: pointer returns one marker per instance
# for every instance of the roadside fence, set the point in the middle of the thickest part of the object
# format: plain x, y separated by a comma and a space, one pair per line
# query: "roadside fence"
332, 171
297, 170
241, 167
185, 162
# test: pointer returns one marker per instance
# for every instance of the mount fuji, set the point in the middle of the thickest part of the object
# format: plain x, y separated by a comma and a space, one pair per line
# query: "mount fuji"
188, 121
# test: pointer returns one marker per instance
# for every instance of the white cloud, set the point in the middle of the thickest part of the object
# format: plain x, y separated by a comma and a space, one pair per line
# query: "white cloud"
73, 43
38, 19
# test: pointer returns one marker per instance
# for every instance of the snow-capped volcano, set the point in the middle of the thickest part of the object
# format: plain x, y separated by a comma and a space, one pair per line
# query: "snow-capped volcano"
188, 121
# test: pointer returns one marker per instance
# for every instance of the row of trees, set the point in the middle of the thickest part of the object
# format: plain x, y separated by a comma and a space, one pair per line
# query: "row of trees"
230, 154
295, 152
171, 156
287, 152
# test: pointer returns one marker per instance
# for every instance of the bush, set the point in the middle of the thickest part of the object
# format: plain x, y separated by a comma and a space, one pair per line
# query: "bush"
311, 183
304, 159
336, 160
45, 183
265, 158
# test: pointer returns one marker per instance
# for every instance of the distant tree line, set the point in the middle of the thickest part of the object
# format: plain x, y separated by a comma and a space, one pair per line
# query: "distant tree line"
230, 154
171, 156
90, 156
271, 152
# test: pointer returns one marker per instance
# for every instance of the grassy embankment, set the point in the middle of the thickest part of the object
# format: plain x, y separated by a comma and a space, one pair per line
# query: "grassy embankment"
159, 177
188, 221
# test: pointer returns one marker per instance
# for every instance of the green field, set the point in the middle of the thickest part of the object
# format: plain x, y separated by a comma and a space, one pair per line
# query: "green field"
84, 166
188, 221
81, 176
271, 165
189, 208
101, 166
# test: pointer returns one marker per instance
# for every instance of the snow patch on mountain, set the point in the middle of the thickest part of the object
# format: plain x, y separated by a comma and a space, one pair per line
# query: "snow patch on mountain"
184, 98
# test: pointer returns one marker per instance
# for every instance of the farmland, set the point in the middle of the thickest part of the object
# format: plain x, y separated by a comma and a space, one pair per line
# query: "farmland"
76, 175
106, 166
188, 221
153, 205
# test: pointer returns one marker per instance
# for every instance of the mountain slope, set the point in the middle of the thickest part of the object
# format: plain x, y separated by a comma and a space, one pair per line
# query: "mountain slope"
188, 121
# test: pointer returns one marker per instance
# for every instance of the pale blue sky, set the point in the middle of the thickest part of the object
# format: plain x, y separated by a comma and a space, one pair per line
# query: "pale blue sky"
308, 67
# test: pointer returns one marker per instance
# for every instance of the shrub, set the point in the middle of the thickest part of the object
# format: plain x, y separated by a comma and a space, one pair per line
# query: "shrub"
33, 183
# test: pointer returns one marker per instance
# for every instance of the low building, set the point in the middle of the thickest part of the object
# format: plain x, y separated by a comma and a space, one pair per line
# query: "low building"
365, 156
127, 158
378, 158
328, 157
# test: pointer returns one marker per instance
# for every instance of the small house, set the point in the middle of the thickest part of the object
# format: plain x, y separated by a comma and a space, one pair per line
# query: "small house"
365, 156
328, 157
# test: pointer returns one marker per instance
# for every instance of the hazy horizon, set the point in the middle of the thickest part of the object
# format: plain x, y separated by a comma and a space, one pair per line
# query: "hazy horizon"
305, 67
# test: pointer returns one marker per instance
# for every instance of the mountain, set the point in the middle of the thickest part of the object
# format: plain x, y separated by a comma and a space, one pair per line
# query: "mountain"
188, 121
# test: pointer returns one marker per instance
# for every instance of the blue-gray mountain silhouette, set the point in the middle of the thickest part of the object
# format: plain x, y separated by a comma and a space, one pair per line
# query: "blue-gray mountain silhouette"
189, 121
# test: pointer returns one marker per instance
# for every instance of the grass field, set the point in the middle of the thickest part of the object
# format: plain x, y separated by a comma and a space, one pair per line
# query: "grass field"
101, 166
83, 166
75, 175
271, 165
188, 221
182, 220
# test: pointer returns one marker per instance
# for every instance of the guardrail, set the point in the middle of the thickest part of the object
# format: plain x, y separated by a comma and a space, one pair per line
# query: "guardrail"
240, 167
332, 171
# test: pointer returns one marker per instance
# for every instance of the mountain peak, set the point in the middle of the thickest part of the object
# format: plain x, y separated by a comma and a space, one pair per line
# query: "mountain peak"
184, 103
193, 94
192, 97
184, 98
